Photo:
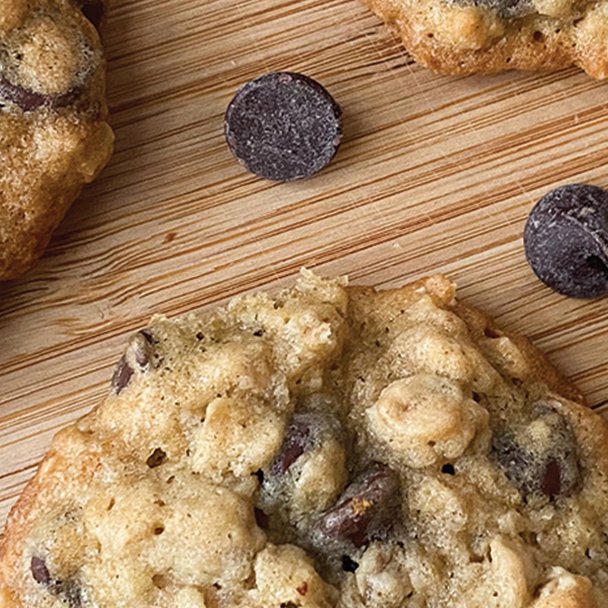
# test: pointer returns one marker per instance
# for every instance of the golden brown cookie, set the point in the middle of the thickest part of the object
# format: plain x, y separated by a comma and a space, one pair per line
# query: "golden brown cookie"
469, 36
332, 446
54, 137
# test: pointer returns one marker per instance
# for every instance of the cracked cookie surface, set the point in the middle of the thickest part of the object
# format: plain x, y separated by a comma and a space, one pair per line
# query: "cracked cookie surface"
470, 36
332, 446
54, 137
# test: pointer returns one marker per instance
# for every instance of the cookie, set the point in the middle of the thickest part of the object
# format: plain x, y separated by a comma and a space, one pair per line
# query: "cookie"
330, 446
54, 137
283, 126
470, 36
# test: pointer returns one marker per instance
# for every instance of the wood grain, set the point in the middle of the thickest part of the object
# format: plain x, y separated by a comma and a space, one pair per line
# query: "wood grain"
435, 174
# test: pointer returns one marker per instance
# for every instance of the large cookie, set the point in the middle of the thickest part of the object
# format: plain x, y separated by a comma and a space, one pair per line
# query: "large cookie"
54, 137
330, 447
468, 36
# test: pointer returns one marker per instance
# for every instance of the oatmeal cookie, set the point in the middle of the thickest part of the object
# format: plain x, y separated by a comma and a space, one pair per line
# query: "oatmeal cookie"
469, 36
54, 137
332, 446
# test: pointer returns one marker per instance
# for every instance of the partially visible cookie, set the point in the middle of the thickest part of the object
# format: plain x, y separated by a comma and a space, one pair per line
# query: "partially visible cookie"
469, 36
54, 137
330, 447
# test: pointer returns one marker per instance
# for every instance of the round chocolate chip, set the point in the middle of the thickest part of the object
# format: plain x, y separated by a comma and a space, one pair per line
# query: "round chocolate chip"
366, 508
566, 240
283, 126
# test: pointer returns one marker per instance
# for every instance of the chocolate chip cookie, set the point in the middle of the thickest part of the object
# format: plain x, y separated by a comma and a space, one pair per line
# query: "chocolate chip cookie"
468, 36
54, 137
332, 446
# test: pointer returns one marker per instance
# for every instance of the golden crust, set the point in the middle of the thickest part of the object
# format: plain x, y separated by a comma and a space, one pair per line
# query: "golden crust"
54, 135
466, 39
261, 356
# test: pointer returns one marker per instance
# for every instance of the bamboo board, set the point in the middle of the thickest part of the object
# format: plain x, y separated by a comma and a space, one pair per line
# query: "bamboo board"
435, 174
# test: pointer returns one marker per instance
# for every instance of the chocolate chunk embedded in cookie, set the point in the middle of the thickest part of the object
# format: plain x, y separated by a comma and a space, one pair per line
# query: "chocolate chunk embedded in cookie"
469, 36
329, 447
54, 137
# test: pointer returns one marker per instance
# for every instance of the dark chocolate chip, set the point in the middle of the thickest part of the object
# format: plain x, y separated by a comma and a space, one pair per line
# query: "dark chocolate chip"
39, 570
138, 355
296, 442
93, 10
366, 508
122, 375
283, 126
349, 564
543, 468
448, 469
148, 335
261, 519
566, 240
551, 481
69, 590
29, 100
157, 458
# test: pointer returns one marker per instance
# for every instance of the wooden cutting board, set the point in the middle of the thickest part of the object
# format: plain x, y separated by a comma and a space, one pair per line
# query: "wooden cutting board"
435, 174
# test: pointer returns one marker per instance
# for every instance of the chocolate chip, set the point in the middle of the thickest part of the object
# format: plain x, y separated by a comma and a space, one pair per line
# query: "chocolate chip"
283, 126
93, 10
566, 240
69, 590
348, 564
157, 458
551, 481
261, 519
448, 469
29, 100
138, 355
122, 375
296, 442
39, 571
540, 457
366, 508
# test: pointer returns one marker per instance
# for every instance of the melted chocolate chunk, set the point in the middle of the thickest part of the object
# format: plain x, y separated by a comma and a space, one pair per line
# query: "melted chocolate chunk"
566, 240
540, 458
366, 508
283, 126
29, 100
